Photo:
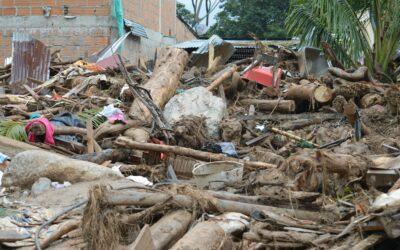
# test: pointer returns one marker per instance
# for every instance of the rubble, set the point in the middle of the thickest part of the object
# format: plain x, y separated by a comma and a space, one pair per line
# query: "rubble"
278, 151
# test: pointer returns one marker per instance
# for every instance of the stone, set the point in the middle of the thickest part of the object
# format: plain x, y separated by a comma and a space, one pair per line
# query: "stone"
197, 101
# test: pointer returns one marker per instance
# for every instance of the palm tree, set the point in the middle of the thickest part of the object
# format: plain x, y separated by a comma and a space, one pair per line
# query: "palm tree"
342, 24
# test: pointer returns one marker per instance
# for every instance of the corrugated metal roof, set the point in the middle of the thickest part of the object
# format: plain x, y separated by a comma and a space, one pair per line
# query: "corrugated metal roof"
137, 29
30, 58
193, 44
222, 48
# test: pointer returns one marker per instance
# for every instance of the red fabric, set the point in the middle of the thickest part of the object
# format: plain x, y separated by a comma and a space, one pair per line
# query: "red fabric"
49, 130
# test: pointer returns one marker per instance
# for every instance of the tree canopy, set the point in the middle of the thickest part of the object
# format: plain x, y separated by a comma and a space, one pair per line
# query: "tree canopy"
264, 18
343, 25
185, 14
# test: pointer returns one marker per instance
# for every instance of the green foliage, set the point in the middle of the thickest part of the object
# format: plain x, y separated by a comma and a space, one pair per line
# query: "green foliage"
185, 14
14, 130
93, 114
342, 24
264, 18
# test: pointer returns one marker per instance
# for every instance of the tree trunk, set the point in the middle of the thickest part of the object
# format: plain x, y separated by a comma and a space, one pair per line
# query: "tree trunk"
115, 155
12, 147
170, 228
286, 106
201, 155
147, 199
358, 75
349, 165
164, 81
300, 93
14, 99
204, 236
222, 78
27, 167
309, 93
62, 230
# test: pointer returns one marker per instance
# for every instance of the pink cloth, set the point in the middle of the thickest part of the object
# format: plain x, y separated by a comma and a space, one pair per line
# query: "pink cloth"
49, 130
117, 117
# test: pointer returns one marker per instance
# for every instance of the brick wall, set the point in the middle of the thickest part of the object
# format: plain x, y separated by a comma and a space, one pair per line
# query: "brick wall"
34, 7
149, 14
76, 38
168, 18
183, 33
92, 27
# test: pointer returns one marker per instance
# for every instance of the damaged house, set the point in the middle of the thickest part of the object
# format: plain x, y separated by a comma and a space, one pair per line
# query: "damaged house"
81, 28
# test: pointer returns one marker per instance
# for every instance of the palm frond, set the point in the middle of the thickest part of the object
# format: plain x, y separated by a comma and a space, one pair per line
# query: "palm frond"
14, 130
334, 22
94, 115
312, 32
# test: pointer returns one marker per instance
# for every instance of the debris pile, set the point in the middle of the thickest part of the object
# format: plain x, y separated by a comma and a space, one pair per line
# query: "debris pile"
277, 151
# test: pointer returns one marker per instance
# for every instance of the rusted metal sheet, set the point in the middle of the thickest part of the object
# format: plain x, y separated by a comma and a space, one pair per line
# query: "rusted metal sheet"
30, 58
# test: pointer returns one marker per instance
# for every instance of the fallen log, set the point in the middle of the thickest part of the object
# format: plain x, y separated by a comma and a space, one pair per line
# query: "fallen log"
287, 106
348, 165
112, 129
170, 228
164, 81
358, 75
115, 155
206, 156
290, 117
14, 99
62, 230
204, 236
283, 236
311, 93
12, 147
222, 78
65, 130
301, 123
27, 167
147, 199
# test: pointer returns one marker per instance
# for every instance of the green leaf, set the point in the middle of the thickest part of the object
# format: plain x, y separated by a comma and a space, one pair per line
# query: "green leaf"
14, 130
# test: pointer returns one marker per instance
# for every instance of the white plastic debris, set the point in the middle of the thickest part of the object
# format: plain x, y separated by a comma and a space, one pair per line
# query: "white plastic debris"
113, 114
387, 200
57, 185
140, 179
198, 102
1, 176
116, 168
123, 89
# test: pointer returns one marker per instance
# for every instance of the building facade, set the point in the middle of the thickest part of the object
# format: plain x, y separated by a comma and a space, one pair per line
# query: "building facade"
79, 28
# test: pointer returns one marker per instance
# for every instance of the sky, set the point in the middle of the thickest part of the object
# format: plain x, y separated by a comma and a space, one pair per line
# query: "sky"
188, 4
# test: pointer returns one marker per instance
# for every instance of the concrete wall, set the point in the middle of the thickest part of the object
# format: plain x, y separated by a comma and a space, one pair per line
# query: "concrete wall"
140, 47
78, 37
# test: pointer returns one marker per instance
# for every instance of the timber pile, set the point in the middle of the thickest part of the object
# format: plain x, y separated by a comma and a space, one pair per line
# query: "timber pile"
320, 158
